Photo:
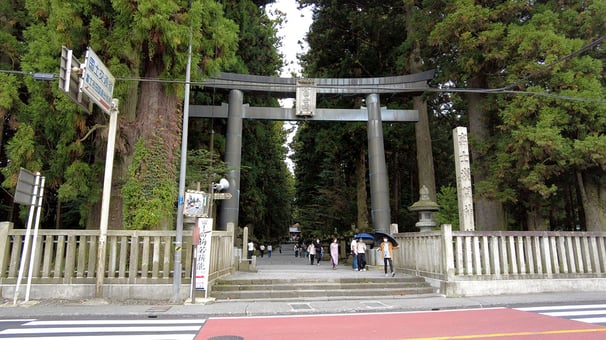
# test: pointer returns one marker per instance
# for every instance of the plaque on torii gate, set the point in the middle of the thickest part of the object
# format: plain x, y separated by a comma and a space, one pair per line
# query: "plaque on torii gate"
305, 90
305, 103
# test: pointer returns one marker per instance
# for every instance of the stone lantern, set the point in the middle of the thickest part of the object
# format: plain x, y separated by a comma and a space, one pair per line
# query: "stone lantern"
425, 207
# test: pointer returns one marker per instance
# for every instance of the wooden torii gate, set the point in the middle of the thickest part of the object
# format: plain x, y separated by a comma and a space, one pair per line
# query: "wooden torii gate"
305, 109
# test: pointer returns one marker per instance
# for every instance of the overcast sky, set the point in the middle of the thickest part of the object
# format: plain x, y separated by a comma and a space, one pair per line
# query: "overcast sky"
294, 30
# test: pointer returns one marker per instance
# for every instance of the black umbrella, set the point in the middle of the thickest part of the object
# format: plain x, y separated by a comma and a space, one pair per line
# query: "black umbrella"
379, 238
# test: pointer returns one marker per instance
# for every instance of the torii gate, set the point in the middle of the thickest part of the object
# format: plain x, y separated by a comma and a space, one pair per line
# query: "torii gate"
305, 91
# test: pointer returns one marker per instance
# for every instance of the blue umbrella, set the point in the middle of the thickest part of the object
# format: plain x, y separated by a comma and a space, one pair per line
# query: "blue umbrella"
369, 239
364, 236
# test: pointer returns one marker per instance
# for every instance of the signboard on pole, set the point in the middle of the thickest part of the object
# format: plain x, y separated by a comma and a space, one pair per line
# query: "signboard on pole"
25, 187
196, 203
203, 253
97, 82
69, 79
221, 195
28, 187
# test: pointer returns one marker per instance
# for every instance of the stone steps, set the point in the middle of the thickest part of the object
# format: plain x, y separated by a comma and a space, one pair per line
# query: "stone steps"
310, 288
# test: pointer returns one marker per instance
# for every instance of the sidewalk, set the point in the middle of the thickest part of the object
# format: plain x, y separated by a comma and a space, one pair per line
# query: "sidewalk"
285, 265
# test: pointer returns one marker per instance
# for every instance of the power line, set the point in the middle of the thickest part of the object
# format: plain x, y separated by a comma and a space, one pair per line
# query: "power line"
562, 59
370, 89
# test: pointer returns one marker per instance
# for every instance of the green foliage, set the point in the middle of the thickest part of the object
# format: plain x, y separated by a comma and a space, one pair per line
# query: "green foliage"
149, 192
449, 209
9, 92
79, 190
21, 150
203, 169
266, 189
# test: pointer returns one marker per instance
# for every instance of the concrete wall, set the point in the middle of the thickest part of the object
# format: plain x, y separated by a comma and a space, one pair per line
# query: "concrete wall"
114, 292
504, 287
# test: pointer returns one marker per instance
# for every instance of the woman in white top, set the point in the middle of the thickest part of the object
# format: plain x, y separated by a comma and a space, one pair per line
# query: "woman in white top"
386, 249
311, 250
361, 249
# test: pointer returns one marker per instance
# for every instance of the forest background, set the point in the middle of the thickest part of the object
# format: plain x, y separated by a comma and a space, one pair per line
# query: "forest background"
525, 77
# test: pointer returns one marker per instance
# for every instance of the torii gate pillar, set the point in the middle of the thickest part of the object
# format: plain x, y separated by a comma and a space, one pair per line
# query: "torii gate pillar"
379, 189
233, 158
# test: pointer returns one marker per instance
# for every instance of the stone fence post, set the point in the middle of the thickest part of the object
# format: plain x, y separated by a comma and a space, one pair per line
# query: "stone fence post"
5, 228
448, 254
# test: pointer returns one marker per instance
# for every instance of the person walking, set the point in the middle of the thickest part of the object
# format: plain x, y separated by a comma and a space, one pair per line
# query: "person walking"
269, 249
334, 254
262, 248
361, 249
311, 250
354, 254
296, 249
318, 247
251, 249
386, 249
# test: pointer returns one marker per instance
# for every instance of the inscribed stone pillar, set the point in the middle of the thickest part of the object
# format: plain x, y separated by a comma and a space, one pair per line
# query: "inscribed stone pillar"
464, 189
233, 158
379, 189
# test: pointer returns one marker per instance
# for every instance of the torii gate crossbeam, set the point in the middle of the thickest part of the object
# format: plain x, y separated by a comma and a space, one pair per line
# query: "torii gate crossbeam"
288, 114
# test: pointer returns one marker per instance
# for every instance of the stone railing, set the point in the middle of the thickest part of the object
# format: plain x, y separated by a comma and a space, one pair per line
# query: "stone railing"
133, 257
497, 257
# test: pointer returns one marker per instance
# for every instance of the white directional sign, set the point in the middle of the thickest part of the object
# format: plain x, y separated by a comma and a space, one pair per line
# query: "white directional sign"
97, 82
221, 195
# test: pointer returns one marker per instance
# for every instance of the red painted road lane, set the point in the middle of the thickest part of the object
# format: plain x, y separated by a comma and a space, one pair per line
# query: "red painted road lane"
488, 323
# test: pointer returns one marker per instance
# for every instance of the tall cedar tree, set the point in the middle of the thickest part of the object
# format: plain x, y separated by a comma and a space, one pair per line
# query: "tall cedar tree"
542, 156
146, 39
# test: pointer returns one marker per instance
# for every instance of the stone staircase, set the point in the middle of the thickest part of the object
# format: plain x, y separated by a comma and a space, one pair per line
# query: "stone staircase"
319, 288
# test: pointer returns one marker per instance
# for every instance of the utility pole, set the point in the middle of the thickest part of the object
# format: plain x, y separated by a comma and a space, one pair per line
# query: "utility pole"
183, 165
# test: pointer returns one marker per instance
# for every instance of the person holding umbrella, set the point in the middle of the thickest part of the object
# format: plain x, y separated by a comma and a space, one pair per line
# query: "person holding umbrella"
386, 249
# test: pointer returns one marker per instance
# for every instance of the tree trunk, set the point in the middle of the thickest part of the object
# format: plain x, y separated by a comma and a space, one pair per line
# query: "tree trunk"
535, 218
424, 149
126, 138
58, 214
489, 213
361, 194
422, 135
159, 119
396, 188
593, 197
154, 112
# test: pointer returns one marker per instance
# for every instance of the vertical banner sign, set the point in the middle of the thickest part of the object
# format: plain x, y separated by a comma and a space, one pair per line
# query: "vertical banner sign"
203, 253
